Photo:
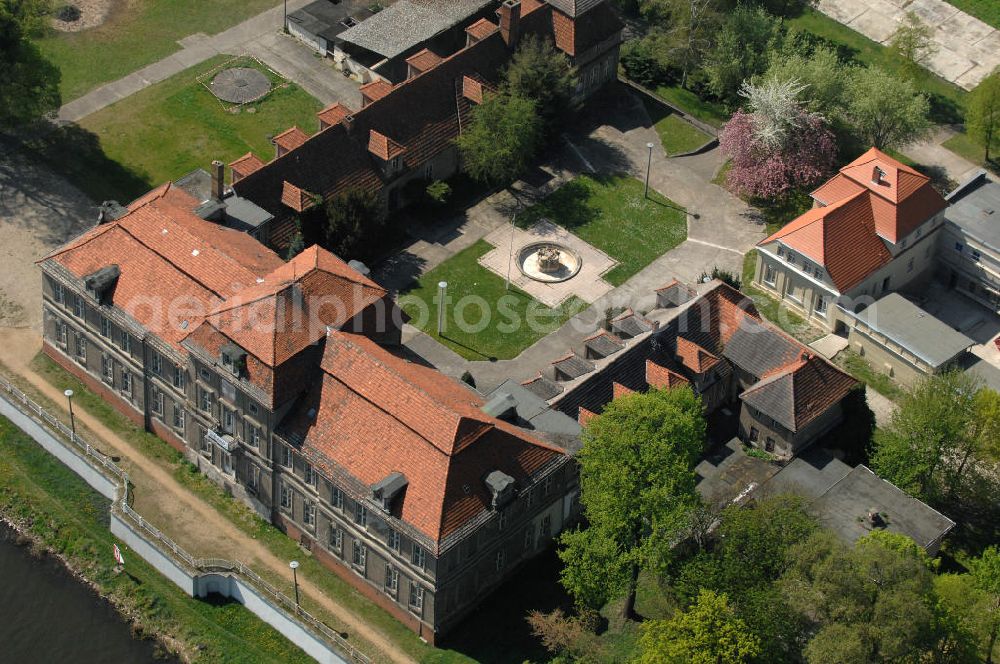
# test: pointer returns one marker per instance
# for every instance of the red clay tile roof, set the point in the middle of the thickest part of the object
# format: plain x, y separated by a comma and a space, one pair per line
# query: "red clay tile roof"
423, 60
376, 89
472, 89
585, 416
296, 198
333, 114
836, 189
694, 357
799, 392
290, 139
663, 378
620, 390
841, 237
374, 414
481, 29
165, 252
245, 165
383, 147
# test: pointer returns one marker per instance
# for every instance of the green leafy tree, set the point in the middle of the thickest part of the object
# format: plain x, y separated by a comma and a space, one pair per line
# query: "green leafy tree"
708, 632
884, 110
693, 23
29, 84
970, 616
353, 219
544, 75
501, 140
913, 40
931, 445
982, 119
637, 488
821, 74
986, 576
871, 603
741, 51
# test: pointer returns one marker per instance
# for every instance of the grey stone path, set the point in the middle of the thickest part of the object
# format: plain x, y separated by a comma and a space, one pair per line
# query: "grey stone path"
931, 152
720, 230
968, 49
194, 49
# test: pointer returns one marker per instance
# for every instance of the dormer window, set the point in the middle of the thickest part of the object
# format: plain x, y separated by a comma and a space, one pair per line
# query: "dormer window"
387, 490
233, 359
101, 284
501, 488
878, 175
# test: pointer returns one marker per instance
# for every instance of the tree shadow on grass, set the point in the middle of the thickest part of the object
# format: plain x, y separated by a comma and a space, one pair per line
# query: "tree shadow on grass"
76, 154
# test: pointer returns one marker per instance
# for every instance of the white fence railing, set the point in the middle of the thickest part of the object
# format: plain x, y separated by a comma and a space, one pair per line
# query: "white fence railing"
164, 544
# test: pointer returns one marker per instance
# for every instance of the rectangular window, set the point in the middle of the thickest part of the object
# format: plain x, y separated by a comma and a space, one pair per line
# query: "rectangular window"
754, 434
529, 538
360, 554
105, 327
228, 420
155, 363
62, 333
391, 579
885, 284
107, 370
286, 498
78, 306
253, 479
959, 247
254, 435
336, 497
157, 405
126, 382
81, 347
418, 556
791, 258
547, 485
416, 596
769, 444
546, 525
821, 304
205, 399
310, 475
781, 251
125, 342
360, 515
501, 559
252, 408
976, 255
58, 293
309, 514
769, 275
286, 456
205, 374
819, 273
336, 539
501, 520
178, 416
177, 378
227, 463
529, 499
393, 539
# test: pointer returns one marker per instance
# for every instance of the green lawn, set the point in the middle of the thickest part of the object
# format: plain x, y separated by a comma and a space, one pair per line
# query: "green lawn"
70, 518
862, 370
987, 11
771, 308
168, 130
707, 111
946, 98
676, 134
513, 320
965, 147
137, 33
610, 213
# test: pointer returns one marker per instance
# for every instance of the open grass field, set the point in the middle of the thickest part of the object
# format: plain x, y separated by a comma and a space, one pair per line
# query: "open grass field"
504, 331
170, 129
610, 213
706, 111
135, 34
70, 518
676, 134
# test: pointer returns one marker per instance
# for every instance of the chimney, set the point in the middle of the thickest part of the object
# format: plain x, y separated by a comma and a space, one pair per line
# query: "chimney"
510, 21
218, 179
877, 175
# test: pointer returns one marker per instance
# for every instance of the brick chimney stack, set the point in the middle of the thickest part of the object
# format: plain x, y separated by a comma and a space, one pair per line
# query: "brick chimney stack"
218, 179
510, 22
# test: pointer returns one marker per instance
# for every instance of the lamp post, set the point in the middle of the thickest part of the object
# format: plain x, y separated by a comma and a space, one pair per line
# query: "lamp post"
510, 256
649, 164
284, 26
295, 580
72, 420
442, 294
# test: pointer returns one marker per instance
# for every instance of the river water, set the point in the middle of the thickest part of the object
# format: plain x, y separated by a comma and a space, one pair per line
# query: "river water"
47, 615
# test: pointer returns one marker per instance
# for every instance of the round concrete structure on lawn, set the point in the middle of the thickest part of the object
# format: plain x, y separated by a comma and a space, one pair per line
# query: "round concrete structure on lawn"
240, 85
548, 262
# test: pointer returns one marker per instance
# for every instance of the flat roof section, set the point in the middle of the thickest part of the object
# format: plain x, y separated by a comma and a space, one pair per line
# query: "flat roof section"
914, 329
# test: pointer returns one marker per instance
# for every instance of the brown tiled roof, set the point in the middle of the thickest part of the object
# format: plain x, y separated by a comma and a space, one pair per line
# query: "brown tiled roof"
374, 414
798, 393
694, 357
333, 114
585, 416
383, 147
296, 198
245, 165
290, 139
576, 36
423, 60
481, 29
376, 89
472, 89
620, 390
663, 378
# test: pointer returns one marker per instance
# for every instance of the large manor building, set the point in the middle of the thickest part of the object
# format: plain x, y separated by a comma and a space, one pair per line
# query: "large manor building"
283, 380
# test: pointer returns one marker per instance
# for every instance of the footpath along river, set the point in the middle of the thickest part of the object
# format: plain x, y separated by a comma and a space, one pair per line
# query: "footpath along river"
47, 615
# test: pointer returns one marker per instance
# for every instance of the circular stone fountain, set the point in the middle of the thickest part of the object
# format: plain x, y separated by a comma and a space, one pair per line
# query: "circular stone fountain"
548, 262
240, 85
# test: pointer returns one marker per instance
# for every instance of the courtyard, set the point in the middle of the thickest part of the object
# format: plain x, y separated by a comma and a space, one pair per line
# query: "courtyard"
174, 127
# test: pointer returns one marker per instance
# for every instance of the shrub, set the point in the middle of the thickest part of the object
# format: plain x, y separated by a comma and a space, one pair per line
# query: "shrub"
438, 191
641, 64
725, 276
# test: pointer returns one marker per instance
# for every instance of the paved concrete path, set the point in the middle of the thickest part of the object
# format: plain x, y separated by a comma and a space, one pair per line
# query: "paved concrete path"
299, 63
932, 152
194, 50
968, 49
720, 230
